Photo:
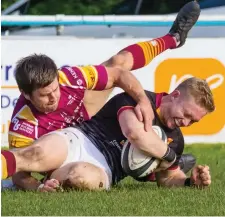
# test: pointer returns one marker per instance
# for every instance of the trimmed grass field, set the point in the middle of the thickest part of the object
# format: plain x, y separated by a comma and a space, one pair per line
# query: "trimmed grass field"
130, 197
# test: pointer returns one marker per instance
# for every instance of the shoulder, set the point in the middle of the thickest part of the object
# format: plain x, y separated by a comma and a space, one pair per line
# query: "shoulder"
23, 127
20, 104
72, 77
23, 109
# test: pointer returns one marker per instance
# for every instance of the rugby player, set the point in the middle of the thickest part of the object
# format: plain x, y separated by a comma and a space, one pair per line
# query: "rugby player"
88, 155
47, 104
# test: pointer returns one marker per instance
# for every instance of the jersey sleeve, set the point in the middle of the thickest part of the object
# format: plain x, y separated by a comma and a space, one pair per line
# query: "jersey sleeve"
119, 103
23, 128
93, 77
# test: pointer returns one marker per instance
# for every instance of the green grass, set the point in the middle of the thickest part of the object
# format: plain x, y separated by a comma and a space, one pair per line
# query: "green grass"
130, 197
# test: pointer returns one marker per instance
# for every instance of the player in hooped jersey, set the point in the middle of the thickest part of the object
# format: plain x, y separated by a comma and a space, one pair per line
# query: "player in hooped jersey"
88, 156
65, 107
50, 102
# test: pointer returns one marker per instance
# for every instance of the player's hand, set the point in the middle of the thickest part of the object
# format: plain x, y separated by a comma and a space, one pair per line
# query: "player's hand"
200, 176
51, 185
144, 113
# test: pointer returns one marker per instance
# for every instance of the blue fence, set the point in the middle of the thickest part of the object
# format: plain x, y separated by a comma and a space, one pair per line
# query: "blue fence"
159, 20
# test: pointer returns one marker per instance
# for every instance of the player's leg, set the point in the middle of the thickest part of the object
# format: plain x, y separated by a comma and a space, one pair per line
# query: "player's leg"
87, 167
81, 175
140, 54
47, 153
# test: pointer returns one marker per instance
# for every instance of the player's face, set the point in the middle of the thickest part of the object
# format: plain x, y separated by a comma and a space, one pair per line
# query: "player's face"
181, 111
46, 99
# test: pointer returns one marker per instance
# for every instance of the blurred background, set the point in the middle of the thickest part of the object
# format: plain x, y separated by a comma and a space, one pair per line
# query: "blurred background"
106, 7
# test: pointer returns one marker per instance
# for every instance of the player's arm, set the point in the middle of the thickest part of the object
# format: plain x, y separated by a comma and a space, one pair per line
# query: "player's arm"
169, 178
103, 77
99, 77
148, 142
200, 177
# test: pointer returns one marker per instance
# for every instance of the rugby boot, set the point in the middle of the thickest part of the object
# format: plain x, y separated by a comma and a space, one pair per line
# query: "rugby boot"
185, 20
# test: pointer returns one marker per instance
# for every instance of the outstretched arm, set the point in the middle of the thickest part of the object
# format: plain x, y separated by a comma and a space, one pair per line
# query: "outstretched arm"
200, 177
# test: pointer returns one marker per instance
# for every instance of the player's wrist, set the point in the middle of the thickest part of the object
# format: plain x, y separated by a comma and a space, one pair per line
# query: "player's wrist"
142, 97
170, 155
189, 182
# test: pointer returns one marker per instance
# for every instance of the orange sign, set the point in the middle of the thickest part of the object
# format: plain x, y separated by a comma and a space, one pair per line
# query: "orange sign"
171, 72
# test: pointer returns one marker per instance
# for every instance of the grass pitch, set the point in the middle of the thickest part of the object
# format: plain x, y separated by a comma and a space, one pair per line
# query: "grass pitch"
130, 197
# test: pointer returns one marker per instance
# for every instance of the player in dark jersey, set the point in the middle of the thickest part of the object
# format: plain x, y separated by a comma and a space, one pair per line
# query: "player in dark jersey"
28, 123
90, 153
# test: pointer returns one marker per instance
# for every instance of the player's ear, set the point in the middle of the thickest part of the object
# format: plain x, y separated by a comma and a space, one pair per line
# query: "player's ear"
175, 94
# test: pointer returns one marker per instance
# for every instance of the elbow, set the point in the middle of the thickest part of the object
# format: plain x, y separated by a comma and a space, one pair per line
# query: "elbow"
133, 134
116, 60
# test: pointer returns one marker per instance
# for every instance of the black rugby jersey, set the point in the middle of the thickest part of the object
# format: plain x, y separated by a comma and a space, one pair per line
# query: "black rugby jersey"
105, 133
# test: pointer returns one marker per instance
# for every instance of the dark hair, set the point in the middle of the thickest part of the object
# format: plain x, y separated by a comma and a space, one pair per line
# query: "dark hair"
35, 71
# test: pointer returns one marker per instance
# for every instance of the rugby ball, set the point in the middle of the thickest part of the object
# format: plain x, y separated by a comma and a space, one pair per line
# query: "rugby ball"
135, 163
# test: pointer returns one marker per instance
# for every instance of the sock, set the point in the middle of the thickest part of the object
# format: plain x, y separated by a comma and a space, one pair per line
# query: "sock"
144, 52
8, 164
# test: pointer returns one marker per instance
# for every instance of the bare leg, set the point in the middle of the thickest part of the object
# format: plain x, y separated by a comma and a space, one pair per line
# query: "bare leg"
81, 175
132, 57
47, 153
138, 55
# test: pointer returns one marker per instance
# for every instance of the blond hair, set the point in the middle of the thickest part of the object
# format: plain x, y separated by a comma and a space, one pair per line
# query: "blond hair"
199, 89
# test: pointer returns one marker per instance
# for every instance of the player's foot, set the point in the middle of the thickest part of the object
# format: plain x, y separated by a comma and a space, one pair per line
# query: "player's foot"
187, 162
185, 20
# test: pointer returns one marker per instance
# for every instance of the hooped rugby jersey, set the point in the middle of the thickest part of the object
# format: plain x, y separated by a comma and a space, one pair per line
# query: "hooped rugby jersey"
28, 124
105, 133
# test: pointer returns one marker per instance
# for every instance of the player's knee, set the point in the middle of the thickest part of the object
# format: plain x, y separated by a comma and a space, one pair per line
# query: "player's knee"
78, 169
116, 60
83, 182
85, 177
78, 182
78, 178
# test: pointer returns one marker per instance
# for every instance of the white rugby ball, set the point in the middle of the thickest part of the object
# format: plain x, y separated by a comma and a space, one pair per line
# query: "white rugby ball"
135, 163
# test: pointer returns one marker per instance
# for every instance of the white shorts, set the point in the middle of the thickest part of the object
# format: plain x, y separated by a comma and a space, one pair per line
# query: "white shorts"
81, 149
